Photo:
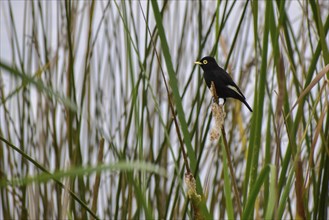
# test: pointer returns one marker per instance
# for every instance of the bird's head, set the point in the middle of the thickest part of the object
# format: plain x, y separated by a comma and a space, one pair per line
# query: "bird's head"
207, 63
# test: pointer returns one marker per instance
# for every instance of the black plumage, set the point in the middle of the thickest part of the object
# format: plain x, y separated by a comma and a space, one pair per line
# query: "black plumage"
225, 87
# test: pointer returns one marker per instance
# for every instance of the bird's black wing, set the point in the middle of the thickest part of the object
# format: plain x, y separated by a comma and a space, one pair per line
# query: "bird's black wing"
230, 85
235, 89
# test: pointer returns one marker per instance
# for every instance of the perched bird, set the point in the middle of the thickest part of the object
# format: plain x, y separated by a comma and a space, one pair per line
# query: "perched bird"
225, 87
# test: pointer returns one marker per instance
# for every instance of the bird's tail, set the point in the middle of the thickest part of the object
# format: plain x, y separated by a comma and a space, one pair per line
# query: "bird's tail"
244, 102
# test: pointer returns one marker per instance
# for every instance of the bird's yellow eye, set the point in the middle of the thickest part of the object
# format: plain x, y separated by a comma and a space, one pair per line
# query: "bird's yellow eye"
205, 62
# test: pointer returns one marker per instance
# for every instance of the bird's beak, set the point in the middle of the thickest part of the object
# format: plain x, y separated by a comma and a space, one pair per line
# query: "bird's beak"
198, 62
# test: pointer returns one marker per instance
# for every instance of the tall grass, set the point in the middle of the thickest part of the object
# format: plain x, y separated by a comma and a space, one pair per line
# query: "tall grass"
87, 129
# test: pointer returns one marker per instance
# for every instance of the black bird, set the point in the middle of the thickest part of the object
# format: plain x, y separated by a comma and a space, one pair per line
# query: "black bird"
225, 87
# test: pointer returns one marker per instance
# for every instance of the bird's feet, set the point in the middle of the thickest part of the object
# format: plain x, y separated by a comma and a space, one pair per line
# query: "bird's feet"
220, 101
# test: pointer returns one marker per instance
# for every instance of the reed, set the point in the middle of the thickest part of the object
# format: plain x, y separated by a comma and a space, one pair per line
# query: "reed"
88, 128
